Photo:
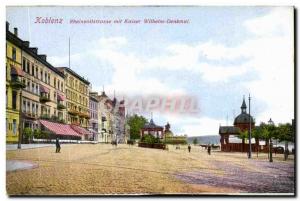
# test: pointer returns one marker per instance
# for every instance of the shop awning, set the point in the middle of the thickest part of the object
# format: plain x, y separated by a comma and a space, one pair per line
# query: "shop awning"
60, 97
59, 129
16, 71
44, 89
80, 130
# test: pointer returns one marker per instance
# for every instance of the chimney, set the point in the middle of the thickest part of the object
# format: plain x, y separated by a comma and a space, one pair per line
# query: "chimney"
16, 31
7, 26
43, 56
34, 49
26, 43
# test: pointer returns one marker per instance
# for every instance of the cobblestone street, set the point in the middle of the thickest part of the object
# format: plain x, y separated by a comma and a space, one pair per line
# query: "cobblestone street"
103, 169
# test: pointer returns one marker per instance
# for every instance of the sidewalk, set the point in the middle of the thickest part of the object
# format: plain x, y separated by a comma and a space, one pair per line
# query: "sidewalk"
10, 147
13, 165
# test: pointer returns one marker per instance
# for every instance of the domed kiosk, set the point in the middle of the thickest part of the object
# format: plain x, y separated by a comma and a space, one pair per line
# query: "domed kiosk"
241, 123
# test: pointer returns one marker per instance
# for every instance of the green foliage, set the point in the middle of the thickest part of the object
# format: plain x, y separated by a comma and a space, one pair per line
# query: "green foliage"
243, 135
195, 141
175, 141
150, 139
285, 133
136, 123
37, 133
45, 134
27, 133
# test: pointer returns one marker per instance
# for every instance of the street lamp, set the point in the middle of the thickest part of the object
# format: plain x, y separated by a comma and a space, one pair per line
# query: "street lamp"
249, 156
271, 123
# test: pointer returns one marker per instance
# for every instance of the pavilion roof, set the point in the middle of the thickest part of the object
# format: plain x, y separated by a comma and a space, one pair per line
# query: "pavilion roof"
151, 125
229, 130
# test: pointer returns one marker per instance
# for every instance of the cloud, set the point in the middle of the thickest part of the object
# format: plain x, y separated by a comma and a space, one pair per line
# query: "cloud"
64, 60
267, 53
112, 42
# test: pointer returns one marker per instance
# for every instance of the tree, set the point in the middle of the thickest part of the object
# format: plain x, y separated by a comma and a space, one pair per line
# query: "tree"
136, 123
195, 141
257, 134
27, 132
286, 134
37, 133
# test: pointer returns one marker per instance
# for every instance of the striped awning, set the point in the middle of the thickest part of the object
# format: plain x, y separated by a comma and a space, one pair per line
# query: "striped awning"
60, 97
44, 89
16, 71
59, 129
80, 130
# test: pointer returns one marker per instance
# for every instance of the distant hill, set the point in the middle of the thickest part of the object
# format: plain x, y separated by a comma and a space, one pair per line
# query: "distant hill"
206, 139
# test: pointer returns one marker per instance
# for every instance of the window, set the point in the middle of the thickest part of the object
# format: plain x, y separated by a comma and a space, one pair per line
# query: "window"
62, 87
58, 85
33, 108
36, 108
28, 85
33, 87
28, 107
14, 100
14, 126
24, 106
14, 54
24, 64
36, 72
48, 78
54, 82
45, 80
6, 98
37, 89
42, 75
27, 67
32, 69
7, 125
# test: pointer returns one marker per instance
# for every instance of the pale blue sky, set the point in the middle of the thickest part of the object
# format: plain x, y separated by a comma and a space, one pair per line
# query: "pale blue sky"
239, 44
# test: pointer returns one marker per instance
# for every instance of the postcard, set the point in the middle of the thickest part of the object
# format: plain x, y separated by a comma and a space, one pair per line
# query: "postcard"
150, 100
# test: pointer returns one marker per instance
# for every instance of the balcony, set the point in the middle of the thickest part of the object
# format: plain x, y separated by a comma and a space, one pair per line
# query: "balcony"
73, 112
16, 83
29, 115
60, 106
45, 116
44, 99
84, 115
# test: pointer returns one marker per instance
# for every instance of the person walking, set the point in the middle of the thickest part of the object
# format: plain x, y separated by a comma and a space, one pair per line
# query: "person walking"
209, 149
57, 145
189, 148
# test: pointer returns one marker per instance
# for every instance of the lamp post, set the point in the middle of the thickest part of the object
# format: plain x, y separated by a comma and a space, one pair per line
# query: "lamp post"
271, 123
249, 155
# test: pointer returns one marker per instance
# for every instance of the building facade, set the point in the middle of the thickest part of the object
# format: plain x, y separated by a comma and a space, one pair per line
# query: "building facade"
44, 95
77, 98
105, 125
94, 112
14, 85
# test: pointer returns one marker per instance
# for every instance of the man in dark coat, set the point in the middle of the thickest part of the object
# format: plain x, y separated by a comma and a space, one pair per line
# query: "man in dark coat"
57, 145
189, 148
209, 149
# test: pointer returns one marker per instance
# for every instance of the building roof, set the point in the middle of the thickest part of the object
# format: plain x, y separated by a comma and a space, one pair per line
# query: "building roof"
151, 124
69, 70
244, 106
243, 118
23, 45
229, 130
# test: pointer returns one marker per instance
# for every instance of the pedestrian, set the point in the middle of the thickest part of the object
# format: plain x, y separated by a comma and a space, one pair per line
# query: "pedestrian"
208, 149
189, 147
57, 145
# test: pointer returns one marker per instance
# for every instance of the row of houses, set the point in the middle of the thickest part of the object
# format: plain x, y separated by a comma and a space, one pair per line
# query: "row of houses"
39, 95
